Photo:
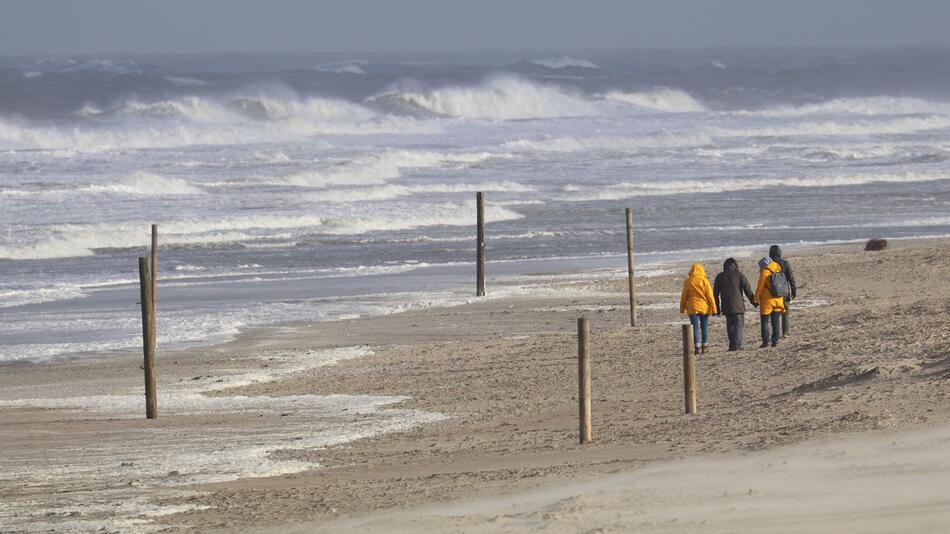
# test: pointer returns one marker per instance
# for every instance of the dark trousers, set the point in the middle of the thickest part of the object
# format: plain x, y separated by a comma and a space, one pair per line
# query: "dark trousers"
785, 320
775, 321
735, 322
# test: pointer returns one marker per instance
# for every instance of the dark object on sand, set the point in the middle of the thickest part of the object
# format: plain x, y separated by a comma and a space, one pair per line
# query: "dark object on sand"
875, 245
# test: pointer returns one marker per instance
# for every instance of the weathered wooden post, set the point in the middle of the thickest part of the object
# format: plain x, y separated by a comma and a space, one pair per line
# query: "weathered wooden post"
689, 370
480, 245
583, 379
154, 278
630, 276
148, 338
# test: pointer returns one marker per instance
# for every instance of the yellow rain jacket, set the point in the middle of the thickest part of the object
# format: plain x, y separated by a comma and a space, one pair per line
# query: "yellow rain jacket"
697, 297
768, 303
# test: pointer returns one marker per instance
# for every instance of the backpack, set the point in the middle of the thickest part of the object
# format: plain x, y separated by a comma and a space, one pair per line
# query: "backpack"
779, 285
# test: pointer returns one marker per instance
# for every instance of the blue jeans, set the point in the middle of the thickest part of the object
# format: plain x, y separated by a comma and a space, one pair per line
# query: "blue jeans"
700, 324
775, 321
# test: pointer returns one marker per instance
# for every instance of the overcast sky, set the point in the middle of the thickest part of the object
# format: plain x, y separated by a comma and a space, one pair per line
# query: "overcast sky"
137, 26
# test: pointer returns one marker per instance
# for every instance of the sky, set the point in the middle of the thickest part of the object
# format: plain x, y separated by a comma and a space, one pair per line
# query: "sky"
173, 26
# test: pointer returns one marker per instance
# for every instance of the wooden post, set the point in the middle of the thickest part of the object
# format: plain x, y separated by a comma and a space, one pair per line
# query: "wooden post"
630, 277
480, 245
148, 338
583, 379
154, 269
689, 370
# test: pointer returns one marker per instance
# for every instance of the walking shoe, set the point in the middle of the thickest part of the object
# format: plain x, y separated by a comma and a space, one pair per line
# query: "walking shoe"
704, 348
775, 344
697, 349
764, 346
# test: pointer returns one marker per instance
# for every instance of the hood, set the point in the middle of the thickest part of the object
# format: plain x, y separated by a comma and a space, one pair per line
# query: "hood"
765, 262
775, 252
730, 264
697, 271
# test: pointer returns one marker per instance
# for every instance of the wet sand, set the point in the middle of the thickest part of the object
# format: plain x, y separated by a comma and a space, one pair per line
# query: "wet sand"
478, 401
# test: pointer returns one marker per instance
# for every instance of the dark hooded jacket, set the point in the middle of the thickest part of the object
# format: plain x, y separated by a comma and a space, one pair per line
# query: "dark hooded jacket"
729, 287
775, 252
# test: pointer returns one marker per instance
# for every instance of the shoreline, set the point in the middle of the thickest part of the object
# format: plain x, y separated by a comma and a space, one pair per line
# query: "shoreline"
420, 353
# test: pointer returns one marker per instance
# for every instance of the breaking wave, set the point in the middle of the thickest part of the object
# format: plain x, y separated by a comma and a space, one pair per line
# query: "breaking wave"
380, 168
147, 184
687, 186
663, 99
500, 98
70, 240
662, 139
879, 105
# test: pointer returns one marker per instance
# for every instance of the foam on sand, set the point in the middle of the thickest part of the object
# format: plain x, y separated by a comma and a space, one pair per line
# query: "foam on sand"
160, 463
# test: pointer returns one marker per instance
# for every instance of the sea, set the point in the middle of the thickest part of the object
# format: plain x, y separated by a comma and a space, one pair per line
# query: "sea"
314, 187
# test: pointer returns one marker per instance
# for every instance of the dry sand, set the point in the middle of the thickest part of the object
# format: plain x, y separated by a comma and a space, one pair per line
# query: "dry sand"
479, 410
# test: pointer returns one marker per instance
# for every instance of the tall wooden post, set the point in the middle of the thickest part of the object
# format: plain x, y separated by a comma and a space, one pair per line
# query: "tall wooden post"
689, 370
148, 338
154, 277
583, 379
630, 277
480, 245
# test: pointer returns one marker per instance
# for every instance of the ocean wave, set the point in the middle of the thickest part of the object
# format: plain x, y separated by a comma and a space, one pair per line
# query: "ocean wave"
382, 167
71, 240
663, 99
146, 184
391, 191
576, 193
856, 128
661, 139
20, 297
878, 105
563, 62
500, 98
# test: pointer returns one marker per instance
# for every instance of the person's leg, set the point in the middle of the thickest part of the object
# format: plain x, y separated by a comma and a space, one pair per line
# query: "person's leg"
694, 320
785, 320
731, 323
764, 324
776, 328
740, 324
704, 322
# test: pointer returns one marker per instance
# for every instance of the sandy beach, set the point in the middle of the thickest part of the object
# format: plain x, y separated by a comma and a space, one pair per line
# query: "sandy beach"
465, 418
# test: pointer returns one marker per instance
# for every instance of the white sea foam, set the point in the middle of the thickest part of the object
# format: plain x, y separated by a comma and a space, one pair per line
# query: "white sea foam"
663, 99
382, 167
147, 184
661, 139
690, 186
858, 128
391, 191
68, 240
879, 105
500, 98
19, 297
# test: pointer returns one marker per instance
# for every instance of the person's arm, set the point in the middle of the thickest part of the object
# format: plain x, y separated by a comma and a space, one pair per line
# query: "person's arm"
683, 297
747, 289
717, 292
760, 289
791, 279
714, 310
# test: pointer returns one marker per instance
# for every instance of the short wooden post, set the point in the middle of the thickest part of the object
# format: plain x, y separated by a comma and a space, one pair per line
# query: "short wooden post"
689, 370
154, 269
630, 277
583, 379
148, 338
480, 245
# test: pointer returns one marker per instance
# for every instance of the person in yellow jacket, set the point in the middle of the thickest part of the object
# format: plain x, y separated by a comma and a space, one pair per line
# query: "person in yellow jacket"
698, 302
771, 307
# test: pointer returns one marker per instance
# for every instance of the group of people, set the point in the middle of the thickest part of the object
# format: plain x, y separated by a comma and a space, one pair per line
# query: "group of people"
727, 294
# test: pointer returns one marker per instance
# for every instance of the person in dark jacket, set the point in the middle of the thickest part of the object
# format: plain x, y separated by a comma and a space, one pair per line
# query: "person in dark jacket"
775, 252
728, 289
